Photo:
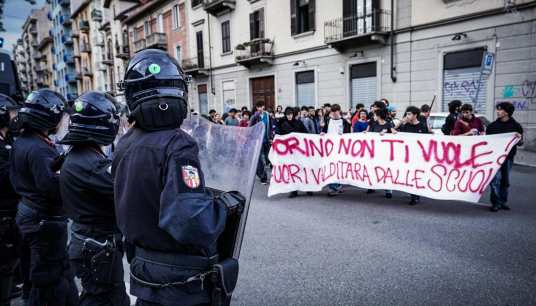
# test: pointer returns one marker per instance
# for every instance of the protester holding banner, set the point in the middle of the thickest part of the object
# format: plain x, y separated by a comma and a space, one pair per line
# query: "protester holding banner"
361, 124
392, 114
454, 109
468, 124
501, 182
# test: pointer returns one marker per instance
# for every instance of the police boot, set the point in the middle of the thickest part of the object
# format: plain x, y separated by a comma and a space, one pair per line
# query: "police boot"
6, 282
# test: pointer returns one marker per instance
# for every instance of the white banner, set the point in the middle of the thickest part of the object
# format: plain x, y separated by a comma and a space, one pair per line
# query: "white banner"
434, 166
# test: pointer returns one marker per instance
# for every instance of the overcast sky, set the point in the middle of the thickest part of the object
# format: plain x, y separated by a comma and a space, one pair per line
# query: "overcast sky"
15, 14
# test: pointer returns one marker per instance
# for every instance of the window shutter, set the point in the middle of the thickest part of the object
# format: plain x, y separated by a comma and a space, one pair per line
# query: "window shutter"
293, 26
200, 59
261, 23
311, 15
347, 8
252, 26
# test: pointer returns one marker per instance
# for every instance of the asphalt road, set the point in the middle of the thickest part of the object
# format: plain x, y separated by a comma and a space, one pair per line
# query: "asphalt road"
359, 249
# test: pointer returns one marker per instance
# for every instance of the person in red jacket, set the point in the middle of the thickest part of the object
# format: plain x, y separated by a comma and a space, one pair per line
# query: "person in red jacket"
468, 124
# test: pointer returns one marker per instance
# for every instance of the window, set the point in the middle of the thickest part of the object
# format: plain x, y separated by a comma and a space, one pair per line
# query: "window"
178, 54
114, 9
159, 24
200, 54
228, 95
225, 37
361, 16
196, 2
135, 34
176, 21
125, 38
146, 27
302, 16
203, 99
363, 84
256, 28
305, 88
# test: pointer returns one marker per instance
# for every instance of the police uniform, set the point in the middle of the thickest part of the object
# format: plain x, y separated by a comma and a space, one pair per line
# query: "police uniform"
87, 188
41, 218
170, 220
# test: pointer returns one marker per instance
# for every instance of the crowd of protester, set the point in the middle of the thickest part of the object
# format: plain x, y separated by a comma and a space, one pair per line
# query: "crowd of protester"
380, 118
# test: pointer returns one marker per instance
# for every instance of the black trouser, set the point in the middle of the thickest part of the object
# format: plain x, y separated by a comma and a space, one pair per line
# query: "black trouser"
140, 302
10, 242
97, 294
50, 273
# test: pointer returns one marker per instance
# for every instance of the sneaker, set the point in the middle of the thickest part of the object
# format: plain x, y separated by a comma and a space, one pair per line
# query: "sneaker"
332, 192
370, 191
309, 193
264, 182
388, 195
413, 202
494, 208
293, 194
505, 207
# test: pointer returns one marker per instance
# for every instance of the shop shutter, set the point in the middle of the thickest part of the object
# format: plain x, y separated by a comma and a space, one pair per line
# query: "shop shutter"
461, 84
364, 90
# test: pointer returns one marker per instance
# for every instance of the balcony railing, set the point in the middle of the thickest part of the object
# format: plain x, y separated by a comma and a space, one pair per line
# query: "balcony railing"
44, 58
47, 71
53, 50
86, 71
107, 59
157, 41
70, 78
64, 2
83, 25
56, 83
20, 41
195, 66
23, 70
123, 52
139, 45
72, 96
65, 20
376, 21
100, 67
78, 75
36, 56
50, 33
68, 59
96, 15
54, 66
49, 15
109, 88
98, 41
33, 29
38, 81
85, 48
37, 68
256, 50
66, 39
35, 43
74, 34
213, 7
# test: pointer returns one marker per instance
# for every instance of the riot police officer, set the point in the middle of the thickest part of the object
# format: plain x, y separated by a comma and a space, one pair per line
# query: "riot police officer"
170, 220
41, 218
9, 238
87, 188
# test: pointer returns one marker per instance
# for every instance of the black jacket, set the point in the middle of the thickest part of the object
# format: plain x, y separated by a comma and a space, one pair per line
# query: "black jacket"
8, 196
291, 126
500, 127
449, 123
347, 127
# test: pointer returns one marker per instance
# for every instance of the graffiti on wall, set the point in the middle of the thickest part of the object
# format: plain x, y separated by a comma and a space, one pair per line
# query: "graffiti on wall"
465, 89
520, 96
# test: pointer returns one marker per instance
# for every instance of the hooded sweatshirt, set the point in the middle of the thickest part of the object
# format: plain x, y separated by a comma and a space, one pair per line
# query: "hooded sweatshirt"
500, 127
463, 125
291, 126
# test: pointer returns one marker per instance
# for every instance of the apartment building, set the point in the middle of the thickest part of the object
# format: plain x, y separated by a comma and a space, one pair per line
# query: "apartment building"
82, 47
47, 60
19, 54
308, 52
29, 58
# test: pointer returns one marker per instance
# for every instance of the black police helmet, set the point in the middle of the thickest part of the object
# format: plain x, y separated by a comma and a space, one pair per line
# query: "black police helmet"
6, 105
156, 90
42, 110
94, 118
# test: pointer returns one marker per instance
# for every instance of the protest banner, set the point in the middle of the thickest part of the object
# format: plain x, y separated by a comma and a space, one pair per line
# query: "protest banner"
434, 166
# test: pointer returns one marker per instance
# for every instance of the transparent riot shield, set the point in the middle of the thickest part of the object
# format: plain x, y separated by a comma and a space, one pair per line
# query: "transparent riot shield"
229, 156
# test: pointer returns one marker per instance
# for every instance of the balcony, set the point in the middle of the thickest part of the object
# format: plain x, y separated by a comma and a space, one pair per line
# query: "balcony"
96, 15
214, 7
72, 96
85, 48
74, 34
20, 41
36, 56
157, 41
100, 67
53, 50
37, 68
64, 2
87, 72
83, 25
352, 31
47, 71
105, 27
139, 45
256, 51
23, 70
56, 83
78, 76
109, 89
70, 78
54, 67
33, 30
65, 20
66, 40
107, 59
98, 41
44, 58
50, 33
22, 53
68, 59
76, 55
49, 15
193, 66
38, 81
35, 43
123, 53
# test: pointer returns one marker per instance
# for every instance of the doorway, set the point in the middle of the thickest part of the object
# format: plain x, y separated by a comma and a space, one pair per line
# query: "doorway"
263, 89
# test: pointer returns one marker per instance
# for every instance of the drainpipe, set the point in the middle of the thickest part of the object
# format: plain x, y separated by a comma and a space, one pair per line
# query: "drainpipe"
212, 89
393, 78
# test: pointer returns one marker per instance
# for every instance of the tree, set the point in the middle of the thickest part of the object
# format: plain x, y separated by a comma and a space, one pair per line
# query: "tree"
2, 3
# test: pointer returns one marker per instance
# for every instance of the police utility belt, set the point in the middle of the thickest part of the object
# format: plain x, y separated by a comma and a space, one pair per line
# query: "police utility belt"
223, 275
101, 262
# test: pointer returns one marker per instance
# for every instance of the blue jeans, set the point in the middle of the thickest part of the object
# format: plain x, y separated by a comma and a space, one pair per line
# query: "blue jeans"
263, 160
335, 186
500, 183
415, 197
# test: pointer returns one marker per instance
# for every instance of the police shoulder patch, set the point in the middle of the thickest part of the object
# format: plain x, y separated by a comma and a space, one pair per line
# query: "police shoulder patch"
190, 176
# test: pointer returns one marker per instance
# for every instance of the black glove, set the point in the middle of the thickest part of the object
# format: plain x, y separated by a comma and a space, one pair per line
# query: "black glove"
233, 201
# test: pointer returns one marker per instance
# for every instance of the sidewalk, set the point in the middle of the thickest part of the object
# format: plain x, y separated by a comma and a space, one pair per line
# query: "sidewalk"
525, 158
